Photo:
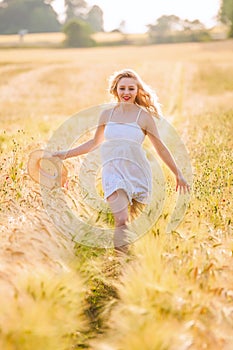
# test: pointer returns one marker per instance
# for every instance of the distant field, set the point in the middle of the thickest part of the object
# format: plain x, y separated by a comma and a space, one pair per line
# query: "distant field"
175, 291
54, 39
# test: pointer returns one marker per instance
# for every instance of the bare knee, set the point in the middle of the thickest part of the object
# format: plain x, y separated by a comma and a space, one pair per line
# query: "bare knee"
118, 203
121, 219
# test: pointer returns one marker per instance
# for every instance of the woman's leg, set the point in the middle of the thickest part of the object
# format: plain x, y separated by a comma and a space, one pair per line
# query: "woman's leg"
118, 202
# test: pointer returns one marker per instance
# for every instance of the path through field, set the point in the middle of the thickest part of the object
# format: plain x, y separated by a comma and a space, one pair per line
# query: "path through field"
175, 292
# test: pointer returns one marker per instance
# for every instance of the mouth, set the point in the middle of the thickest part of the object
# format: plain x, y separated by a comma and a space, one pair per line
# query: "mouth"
126, 98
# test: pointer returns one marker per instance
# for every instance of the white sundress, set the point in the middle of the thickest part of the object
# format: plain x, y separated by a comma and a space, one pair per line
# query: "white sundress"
124, 162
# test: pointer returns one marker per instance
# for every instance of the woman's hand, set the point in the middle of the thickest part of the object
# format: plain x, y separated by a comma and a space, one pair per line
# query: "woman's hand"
60, 154
182, 184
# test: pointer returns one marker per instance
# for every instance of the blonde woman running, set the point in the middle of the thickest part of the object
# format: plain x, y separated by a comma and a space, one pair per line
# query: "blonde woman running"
126, 172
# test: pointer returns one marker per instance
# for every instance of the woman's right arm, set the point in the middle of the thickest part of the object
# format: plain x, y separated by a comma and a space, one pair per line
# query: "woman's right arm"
86, 146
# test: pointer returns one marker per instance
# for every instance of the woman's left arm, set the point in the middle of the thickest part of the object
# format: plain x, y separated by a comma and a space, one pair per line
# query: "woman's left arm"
165, 155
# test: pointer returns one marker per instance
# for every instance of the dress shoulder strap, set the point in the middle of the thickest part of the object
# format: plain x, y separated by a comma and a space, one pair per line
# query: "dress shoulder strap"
140, 110
110, 117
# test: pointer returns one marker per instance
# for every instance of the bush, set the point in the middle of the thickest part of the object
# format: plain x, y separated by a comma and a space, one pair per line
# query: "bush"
78, 34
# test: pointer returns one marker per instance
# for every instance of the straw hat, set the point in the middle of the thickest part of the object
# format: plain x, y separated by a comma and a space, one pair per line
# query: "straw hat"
48, 171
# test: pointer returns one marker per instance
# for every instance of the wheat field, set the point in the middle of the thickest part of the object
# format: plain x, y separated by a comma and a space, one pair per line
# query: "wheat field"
175, 291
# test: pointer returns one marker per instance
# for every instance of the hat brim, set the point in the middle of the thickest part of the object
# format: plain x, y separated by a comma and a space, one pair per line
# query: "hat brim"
47, 170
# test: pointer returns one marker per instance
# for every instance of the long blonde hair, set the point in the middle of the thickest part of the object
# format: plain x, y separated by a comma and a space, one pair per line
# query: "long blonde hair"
145, 96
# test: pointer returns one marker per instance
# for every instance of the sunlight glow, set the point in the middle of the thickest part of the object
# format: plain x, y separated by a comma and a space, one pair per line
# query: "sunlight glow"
139, 14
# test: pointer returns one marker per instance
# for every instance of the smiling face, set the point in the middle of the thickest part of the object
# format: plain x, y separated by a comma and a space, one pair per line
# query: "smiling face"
127, 90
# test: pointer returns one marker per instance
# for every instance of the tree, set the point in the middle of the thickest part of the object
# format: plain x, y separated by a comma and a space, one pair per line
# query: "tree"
75, 9
95, 19
168, 29
78, 33
33, 15
226, 14
164, 26
192, 25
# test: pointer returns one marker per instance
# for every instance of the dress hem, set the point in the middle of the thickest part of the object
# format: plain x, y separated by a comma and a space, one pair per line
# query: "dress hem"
129, 197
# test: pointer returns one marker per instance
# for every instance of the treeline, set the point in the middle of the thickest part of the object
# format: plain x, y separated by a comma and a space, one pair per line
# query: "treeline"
31, 15
81, 21
38, 16
169, 29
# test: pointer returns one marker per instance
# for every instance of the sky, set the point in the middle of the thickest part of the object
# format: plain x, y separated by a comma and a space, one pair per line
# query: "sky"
137, 14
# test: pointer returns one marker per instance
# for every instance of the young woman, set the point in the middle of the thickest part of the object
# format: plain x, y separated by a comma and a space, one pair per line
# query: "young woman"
126, 172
